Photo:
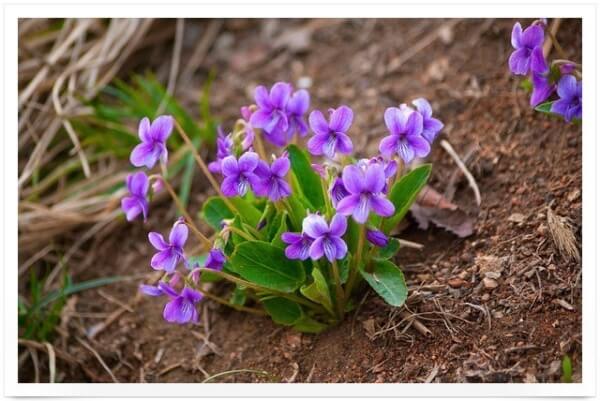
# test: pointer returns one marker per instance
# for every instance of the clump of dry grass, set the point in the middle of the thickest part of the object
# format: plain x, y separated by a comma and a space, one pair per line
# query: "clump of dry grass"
563, 236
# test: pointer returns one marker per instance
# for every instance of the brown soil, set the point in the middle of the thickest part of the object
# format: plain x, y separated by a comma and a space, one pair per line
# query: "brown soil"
524, 163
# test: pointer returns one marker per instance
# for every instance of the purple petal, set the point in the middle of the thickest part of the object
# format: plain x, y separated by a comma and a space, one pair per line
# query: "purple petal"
316, 143
423, 107
145, 154
560, 107
414, 125
161, 128
178, 235
538, 62
541, 89
131, 207
291, 238
318, 123
280, 94
316, 249
191, 295
344, 144
338, 225
431, 127
395, 120
377, 238
157, 241
299, 102
515, 38
314, 225
329, 249
347, 205
277, 126
167, 289
405, 151
261, 97
340, 246
280, 166
138, 184
361, 212
532, 37
518, 62
165, 260
388, 145
381, 205
261, 118
374, 178
229, 186
567, 86
419, 145
248, 162
262, 170
353, 179
179, 311
341, 119
229, 166
144, 130
150, 290
298, 250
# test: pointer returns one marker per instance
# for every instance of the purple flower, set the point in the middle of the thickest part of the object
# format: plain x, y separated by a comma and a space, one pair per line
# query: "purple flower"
298, 245
296, 107
181, 308
239, 174
377, 238
542, 89
330, 137
136, 202
272, 181
170, 253
224, 149
337, 191
569, 104
527, 42
405, 126
365, 188
271, 115
328, 238
431, 126
215, 259
154, 138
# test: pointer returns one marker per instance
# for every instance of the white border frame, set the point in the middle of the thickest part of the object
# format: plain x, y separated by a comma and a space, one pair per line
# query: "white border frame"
589, 14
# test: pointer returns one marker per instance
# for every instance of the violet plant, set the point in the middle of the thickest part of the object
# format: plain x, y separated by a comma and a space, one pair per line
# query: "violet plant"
299, 234
556, 87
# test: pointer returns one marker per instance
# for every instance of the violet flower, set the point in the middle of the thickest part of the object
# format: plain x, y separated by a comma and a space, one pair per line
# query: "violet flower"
542, 89
296, 107
365, 188
569, 104
526, 43
224, 149
298, 245
405, 126
137, 201
377, 238
431, 126
181, 309
154, 138
328, 238
169, 253
272, 181
239, 174
271, 115
215, 259
330, 137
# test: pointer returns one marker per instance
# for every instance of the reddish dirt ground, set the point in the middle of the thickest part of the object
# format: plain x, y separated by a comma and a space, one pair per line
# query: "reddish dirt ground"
502, 305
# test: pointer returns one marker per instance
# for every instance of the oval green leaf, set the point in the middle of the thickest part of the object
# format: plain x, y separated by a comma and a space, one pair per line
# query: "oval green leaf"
308, 180
388, 281
283, 311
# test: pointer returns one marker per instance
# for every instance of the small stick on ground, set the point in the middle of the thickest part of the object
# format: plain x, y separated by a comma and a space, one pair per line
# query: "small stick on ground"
99, 358
420, 327
472, 183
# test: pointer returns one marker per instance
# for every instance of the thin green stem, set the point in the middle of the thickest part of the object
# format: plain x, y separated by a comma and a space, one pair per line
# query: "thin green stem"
223, 301
339, 292
241, 233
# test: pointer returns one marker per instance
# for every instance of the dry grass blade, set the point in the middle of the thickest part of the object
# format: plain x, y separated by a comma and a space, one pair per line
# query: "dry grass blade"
472, 183
563, 237
51, 362
99, 358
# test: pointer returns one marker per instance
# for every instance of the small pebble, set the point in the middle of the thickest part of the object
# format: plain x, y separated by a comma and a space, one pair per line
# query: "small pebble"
490, 283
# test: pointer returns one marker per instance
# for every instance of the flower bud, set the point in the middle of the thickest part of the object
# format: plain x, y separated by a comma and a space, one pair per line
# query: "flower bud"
377, 238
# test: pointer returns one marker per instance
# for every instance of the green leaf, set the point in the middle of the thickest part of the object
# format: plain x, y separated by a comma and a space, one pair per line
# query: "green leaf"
297, 212
544, 107
318, 291
282, 310
309, 181
567, 369
404, 192
248, 212
74, 288
214, 211
267, 266
390, 250
309, 325
238, 296
388, 281
283, 227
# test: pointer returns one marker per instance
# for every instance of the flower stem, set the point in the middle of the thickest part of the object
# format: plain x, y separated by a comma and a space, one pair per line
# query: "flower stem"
357, 260
339, 293
223, 301
241, 233
399, 170
206, 243
260, 147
